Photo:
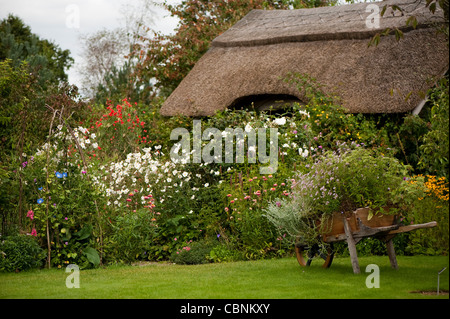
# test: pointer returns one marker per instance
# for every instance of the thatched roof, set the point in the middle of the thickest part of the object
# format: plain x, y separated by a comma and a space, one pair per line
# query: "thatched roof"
330, 44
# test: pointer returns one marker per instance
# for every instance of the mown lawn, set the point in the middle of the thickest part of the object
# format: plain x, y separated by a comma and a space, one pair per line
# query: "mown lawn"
262, 279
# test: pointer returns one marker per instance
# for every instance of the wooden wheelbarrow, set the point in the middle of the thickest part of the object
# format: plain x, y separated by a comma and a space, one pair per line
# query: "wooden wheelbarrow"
353, 228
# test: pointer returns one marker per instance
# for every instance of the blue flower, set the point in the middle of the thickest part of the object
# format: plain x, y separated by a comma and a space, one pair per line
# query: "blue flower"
59, 175
64, 174
40, 188
40, 201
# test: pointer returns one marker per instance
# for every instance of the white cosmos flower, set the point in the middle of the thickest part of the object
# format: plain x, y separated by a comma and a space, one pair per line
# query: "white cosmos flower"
280, 121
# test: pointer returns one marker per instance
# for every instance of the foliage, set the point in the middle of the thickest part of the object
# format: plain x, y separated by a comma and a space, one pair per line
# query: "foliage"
432, 205
20, 252
434, 150
193, 253
133, 236
61, 198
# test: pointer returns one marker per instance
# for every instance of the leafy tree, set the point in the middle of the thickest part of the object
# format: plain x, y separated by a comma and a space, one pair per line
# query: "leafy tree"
120, 83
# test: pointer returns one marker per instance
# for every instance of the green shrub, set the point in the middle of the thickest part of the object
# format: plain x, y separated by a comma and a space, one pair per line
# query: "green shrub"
131, 237
224, 253
193, 253
20, 252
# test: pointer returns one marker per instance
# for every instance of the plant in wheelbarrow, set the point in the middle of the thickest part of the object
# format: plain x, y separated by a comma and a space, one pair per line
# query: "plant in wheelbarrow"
358, 188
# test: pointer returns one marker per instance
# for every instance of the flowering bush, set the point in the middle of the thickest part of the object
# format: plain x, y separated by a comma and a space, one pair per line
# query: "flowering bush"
62, 199
193, 253
430, 204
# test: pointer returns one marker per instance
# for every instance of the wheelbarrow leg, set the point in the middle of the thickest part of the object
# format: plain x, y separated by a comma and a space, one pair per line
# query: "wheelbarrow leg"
391, 253
351, 247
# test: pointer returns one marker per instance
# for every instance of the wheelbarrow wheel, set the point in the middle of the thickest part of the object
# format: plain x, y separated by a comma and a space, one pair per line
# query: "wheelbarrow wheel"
306, 254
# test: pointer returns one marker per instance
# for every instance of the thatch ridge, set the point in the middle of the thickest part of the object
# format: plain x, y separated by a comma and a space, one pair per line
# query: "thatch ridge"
262, 27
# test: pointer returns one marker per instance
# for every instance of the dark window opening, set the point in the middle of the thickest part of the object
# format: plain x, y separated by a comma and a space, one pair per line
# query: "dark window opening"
265, 102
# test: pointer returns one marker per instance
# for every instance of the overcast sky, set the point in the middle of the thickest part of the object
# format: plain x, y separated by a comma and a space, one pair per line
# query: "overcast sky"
62, 21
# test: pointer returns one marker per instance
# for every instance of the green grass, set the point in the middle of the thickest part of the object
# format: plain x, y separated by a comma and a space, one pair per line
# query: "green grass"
262, 279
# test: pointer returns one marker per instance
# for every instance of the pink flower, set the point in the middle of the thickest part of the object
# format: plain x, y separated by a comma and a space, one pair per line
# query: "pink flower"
33, 232
128, 199
229, 195
30, 214
226, 209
